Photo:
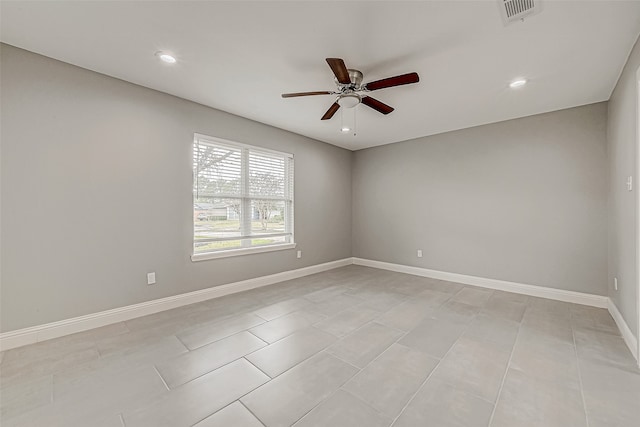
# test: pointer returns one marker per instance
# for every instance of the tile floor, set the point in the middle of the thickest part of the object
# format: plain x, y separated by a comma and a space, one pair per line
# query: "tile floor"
349, 347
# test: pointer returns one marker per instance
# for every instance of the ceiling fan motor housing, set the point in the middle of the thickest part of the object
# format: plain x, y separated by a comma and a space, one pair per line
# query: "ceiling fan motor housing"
356, 80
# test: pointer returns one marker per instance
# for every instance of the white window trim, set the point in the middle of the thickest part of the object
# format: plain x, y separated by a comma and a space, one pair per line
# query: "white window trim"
248, 250
242, 251
233, 144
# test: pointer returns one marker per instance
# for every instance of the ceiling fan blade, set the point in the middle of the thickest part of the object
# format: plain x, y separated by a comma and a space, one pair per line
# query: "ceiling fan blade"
340, 70
376, 105
292, 95
331, 111
400, 80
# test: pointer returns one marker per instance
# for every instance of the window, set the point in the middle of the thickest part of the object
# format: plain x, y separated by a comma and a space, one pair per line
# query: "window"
242, 199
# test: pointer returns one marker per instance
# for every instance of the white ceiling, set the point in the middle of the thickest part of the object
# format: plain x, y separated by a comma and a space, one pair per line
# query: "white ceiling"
240, 56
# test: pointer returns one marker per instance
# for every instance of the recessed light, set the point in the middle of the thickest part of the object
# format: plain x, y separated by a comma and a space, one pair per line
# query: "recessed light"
165, 57
517, 83
345, 129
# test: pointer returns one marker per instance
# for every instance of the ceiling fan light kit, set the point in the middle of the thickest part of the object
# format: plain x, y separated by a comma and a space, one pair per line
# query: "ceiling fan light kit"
350, 91
349, 100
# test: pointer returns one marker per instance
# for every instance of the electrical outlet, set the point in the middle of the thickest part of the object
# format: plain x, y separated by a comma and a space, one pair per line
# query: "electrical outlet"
151, 278
299, 254
419, 253
630, 183
615, 283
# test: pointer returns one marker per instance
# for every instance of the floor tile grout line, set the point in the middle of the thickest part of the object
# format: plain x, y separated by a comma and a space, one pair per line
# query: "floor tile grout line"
283, 337
419, 321
318, 404
126, 327
279, 316
344, 309
575, 349
438, 364
238, 399
208, 372
291, 367
425, 380
365, 403
256, 366
403, 333
392, 307
351, 332
324, 299
370, 322
266, 321
254, 351
250, 411
155, 368
184, 345
383, 352
336, 390
506, 371
266, 342
215, 412
219, 339
342, 360
221, 319
100, 355
462, 335
291, 298
225, 407
324, 400
298, 311
377, 322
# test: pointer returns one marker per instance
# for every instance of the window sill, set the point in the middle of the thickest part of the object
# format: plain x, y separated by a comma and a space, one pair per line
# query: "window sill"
243, 251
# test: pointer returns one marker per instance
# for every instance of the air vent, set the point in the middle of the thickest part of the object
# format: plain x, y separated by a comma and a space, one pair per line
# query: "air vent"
517, 10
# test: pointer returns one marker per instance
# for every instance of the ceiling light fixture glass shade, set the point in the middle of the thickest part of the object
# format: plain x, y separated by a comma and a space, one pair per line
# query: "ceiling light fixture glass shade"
165, 57
348, 101
517, 83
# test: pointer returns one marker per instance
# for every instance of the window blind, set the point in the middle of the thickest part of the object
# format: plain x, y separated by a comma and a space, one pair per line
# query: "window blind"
243, 195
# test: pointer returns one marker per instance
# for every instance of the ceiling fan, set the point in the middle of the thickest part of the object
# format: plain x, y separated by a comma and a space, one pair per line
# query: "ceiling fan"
351, 91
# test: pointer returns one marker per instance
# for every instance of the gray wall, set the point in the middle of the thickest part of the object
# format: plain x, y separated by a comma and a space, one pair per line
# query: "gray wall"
96, 192
621, 134
522, 200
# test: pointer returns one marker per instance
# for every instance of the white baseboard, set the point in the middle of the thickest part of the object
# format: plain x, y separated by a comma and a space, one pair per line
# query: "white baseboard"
502, 285
21, 337
629, 339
